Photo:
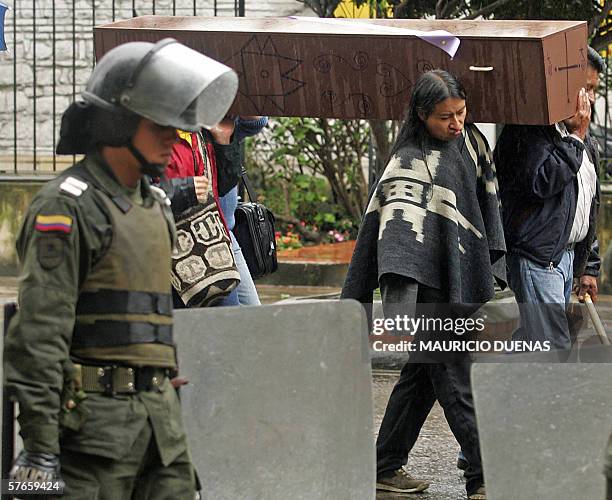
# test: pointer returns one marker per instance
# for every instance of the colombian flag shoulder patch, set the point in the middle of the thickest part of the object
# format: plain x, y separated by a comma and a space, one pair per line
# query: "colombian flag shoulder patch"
53, 223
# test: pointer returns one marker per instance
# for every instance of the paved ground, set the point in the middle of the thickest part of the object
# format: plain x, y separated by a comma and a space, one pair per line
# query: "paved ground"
267, 293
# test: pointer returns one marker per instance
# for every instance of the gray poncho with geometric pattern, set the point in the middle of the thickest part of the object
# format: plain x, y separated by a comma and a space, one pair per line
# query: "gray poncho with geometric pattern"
446, 233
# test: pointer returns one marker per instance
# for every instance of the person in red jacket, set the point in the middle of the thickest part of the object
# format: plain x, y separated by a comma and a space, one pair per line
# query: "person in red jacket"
190, 174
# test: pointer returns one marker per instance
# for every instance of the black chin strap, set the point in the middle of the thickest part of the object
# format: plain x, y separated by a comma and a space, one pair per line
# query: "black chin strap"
147, 168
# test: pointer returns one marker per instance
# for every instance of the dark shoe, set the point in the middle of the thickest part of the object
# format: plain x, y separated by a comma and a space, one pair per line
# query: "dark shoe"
480, 494
401, 482
462, 462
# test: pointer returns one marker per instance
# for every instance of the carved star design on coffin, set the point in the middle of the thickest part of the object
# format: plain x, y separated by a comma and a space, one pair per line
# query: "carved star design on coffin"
271, 82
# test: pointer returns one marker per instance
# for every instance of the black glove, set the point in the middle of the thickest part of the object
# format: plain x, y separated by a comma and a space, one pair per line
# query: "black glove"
40, 467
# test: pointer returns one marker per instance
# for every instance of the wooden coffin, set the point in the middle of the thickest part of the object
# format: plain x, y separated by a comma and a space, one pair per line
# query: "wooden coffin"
525, 72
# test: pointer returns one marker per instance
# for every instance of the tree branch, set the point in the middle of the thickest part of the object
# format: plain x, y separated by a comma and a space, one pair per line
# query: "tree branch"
403, 10
380, 137
601, 41
450, 6
596, 21
488, 9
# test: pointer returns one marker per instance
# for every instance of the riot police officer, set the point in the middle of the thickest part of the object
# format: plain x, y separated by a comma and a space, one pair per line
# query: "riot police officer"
89, 353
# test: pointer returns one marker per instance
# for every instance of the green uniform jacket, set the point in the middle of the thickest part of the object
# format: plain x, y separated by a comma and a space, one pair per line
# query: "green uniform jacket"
65, 233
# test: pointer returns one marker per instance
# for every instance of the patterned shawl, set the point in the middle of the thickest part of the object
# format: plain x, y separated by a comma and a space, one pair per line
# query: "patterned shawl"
434, 216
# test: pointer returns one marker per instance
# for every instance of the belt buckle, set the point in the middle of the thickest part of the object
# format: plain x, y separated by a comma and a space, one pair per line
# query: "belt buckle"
124, 378
113, 380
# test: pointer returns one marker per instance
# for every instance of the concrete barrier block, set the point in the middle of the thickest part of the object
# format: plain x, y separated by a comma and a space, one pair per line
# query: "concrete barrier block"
543, 428
279, 403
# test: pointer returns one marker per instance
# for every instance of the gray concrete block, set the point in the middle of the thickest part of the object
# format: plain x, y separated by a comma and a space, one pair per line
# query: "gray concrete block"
279, 403
543, 428
306, 274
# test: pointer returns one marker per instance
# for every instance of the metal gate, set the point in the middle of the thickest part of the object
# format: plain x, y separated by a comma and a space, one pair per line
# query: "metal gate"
49, 58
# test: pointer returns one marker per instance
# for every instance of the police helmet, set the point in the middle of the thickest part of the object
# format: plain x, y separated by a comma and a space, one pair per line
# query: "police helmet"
166, 82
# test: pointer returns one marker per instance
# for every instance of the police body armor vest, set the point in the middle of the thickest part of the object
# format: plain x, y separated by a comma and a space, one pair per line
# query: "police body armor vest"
124, 310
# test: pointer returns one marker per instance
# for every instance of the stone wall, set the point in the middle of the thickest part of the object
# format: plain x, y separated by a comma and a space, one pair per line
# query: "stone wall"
50, 57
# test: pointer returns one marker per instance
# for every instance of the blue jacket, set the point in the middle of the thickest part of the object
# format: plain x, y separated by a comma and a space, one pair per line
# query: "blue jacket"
229, 200
537, 172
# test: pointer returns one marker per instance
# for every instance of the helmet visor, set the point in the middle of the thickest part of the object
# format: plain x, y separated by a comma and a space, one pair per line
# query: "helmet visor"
179, 87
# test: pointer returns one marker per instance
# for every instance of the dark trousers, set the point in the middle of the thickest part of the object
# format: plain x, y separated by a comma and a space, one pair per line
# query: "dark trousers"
422, 383
417, 389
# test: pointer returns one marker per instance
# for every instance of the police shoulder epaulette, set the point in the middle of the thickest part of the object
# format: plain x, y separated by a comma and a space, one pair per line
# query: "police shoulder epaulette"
73, 186
161, 195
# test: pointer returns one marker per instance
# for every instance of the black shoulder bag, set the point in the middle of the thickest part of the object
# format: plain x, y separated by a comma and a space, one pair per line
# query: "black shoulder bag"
255, 233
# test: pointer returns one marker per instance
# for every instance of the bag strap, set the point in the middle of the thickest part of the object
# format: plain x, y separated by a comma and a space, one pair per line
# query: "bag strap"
247, 184
203, 150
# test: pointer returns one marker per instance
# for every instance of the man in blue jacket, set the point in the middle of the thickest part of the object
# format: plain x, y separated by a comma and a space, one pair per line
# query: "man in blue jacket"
549, 190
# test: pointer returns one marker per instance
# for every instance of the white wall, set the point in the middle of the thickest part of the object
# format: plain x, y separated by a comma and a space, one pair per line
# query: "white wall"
38, 76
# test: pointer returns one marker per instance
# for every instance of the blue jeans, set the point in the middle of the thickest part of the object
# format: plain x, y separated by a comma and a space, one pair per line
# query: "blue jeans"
246, 293
228, 203
542, 294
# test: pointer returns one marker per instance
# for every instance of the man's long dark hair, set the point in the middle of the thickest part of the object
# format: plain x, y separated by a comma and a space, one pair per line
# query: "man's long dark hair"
430, 89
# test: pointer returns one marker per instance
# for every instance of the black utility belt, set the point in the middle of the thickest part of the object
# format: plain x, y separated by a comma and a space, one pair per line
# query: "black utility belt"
119, 379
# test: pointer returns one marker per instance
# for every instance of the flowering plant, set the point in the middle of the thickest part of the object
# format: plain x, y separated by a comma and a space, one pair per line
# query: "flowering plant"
335, 236
289, 240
